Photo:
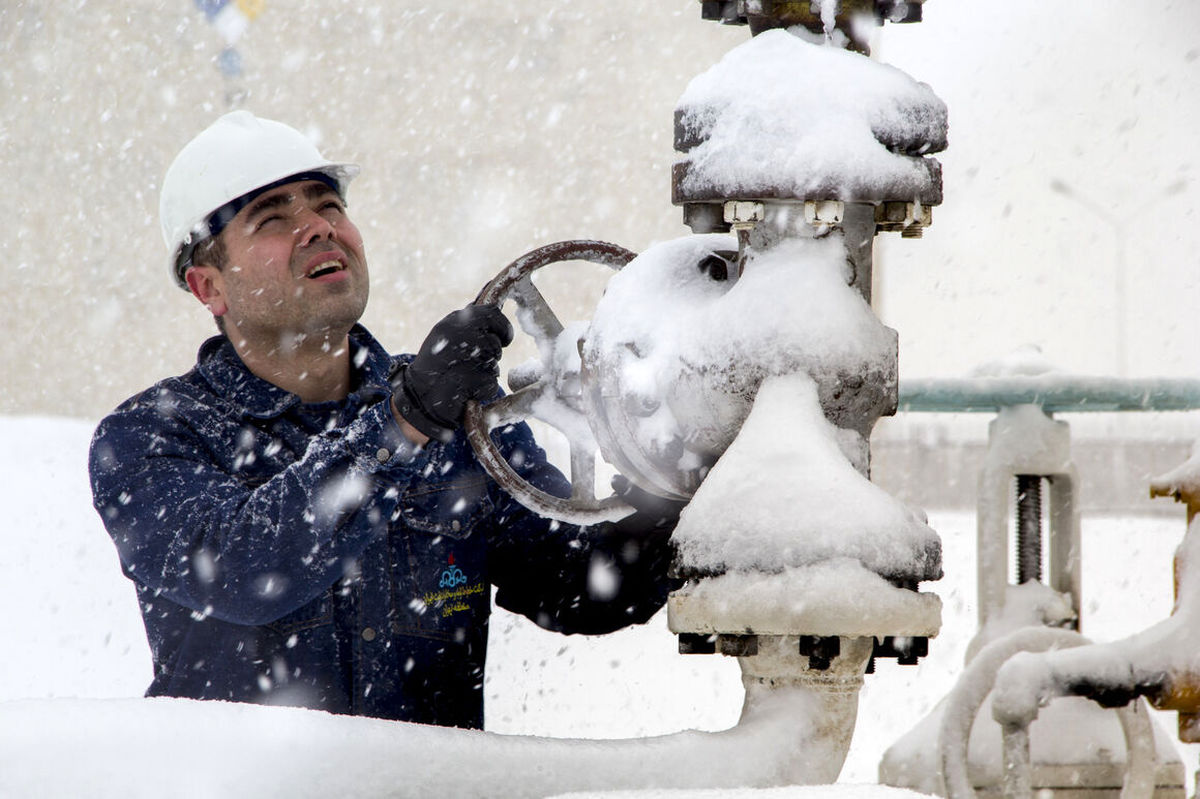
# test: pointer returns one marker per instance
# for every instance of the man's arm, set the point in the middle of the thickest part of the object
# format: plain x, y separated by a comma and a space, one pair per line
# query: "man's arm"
563, 577
207, 540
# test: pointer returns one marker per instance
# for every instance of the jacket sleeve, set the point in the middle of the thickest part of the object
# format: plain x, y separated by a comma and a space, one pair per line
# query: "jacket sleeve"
566, 578
207, 540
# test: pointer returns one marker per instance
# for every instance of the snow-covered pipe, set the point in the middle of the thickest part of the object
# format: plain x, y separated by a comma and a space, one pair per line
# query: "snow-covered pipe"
189, 748
1018, 772
964, 700
834, 693
1015, 707
1159, 662
1053, 392
1140, 761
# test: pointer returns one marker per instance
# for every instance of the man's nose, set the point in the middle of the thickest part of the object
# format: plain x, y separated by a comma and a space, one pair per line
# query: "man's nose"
314, 227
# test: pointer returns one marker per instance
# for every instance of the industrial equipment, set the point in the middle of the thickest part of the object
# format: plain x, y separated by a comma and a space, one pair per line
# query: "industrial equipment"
1076, 748
743, 369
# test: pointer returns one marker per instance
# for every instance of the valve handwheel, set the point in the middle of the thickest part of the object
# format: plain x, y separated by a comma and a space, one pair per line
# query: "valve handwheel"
539, 320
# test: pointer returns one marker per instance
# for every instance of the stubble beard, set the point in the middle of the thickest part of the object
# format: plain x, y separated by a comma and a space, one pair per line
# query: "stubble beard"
330, 323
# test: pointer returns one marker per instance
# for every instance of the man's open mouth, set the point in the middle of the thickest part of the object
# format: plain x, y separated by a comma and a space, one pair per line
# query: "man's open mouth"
326, 268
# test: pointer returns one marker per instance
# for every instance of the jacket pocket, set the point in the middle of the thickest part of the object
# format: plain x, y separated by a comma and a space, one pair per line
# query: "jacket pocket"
441, 586
451, 508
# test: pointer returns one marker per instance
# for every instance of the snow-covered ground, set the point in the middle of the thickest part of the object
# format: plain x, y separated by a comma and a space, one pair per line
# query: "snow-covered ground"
71, 631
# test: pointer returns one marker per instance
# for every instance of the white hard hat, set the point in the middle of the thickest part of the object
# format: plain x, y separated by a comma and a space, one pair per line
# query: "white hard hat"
238, 155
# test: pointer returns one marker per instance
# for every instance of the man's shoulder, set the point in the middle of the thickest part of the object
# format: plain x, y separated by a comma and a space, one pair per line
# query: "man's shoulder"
175, 409
172, 397
173, 402
170, 391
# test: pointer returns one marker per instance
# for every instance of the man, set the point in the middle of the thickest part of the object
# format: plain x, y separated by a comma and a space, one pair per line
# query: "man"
300, 513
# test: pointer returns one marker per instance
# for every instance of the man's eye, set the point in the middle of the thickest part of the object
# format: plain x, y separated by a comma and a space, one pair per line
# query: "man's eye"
334, 205
266, 220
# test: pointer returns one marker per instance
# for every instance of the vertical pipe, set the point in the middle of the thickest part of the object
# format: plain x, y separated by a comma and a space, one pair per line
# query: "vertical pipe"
992, 522
778, 669
1065, 572
1018, 771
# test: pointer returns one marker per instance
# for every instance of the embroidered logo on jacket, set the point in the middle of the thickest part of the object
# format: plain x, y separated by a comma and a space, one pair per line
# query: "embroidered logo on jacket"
454, 590
452, 578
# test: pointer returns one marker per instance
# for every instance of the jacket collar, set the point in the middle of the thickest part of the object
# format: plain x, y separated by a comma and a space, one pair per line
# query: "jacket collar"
218, 363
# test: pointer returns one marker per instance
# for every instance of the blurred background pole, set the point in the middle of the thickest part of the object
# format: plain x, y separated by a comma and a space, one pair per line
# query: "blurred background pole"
1118, 225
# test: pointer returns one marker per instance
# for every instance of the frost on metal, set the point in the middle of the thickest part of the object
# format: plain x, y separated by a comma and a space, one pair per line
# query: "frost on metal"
686, 353
780, 117
678, 354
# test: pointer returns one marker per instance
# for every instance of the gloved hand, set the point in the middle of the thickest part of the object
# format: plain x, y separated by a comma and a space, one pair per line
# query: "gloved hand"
459, 361
652, 515
639, 548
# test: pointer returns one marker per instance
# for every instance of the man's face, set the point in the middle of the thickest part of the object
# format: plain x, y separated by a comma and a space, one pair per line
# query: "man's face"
295, 269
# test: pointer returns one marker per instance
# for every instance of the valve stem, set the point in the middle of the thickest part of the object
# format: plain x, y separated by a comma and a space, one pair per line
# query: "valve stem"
1029, 528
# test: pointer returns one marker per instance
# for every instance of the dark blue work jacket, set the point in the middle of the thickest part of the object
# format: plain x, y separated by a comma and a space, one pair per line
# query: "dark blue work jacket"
306, 554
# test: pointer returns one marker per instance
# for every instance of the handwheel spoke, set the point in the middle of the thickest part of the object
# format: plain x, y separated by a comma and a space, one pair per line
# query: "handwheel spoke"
583, 473
546, 326
571, 510
540, 321
515, 407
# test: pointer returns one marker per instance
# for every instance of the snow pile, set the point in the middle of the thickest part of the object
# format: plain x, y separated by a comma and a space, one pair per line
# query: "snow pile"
809, 121
70, 623
784, 494
1026, 360
186, 748
798, 792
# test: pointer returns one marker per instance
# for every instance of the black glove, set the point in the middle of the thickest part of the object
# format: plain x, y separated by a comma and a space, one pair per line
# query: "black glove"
639, 548
653, 516
569, 595
459, 361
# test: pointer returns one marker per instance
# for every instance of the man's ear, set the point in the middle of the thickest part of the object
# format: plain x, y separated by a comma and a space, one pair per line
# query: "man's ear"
208, 285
